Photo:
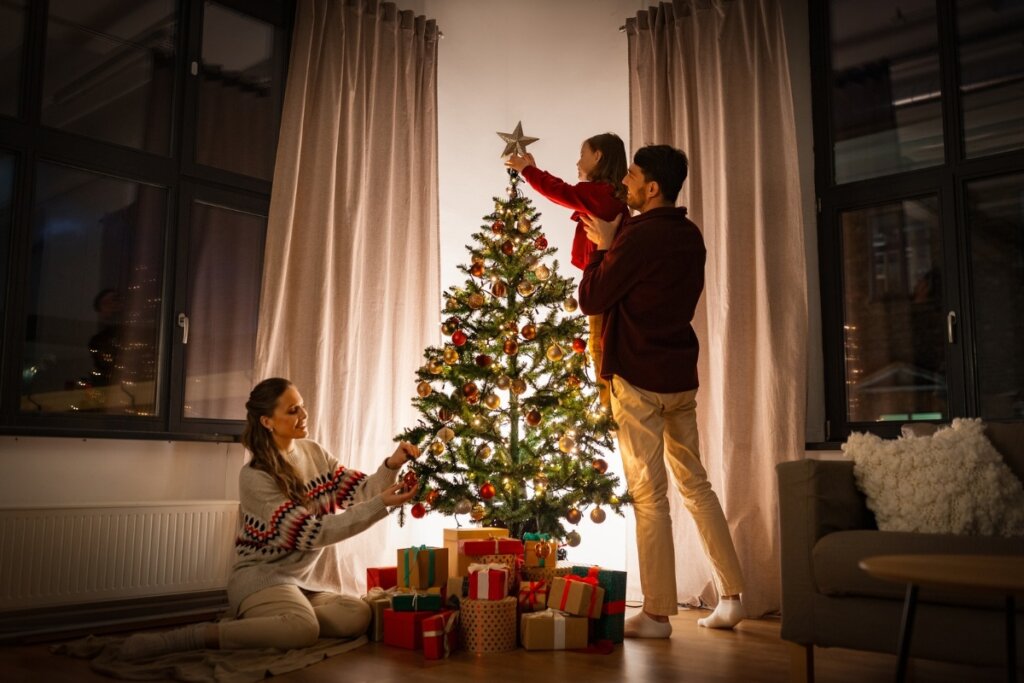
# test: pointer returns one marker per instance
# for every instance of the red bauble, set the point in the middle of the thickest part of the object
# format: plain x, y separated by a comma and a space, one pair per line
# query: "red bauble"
459, 338
508, 248
476, 270
473, 399
418, 510
578, 345
511, 347
410, 479
484, 361
541, 242
529, 331
533, 418
432, 496
487, 491
600, 465
498, 227
444, 415
470, 389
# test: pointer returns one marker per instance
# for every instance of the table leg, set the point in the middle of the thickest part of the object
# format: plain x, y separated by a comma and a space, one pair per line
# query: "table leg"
906, 631
1011, 639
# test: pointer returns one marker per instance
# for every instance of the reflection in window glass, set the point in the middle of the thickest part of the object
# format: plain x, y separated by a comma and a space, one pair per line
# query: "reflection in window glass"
109, 70
894, 334
991, 75
93, 303
225, 266
238, 107
886, 87
12, 39
995, 217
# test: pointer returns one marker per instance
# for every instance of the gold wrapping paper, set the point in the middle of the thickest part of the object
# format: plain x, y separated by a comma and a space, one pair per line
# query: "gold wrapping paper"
488, 625
551, 630
576, 597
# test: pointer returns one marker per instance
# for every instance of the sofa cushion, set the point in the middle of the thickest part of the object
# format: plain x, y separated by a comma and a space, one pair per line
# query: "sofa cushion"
837, 572
954, 481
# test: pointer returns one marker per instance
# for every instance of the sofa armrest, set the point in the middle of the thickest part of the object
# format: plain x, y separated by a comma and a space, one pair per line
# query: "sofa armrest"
816, 497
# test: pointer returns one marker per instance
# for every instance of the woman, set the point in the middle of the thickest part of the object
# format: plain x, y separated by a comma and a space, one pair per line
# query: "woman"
284, 589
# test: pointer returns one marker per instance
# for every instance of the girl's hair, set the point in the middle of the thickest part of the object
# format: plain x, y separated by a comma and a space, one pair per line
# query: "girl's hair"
611, 168
258, 439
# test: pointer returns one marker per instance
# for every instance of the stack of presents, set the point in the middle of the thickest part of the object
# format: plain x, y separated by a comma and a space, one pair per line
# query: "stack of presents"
485, 592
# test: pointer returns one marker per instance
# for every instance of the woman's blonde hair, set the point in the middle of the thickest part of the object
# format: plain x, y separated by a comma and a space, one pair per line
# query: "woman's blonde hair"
260, 442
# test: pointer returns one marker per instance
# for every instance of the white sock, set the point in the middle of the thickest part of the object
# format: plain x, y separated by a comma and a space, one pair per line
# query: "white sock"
147, 645
728, 613
642, 626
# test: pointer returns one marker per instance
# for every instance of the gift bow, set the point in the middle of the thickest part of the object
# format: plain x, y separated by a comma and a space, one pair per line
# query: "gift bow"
377, 593
531, 591
483, 572
590, 581
449, 623
420, 593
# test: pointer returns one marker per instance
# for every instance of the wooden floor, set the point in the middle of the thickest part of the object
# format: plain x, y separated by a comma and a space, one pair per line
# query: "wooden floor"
752, 653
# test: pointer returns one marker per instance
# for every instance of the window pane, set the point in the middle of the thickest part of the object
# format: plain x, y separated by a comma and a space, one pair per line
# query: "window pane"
12, 39
995, 215
225, 265
238, 104
894, 318
93, 305
991, 75
886, 86
109, 70
6, 196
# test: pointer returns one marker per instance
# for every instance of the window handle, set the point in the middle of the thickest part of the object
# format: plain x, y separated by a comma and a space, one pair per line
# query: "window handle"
950, 327
183, 324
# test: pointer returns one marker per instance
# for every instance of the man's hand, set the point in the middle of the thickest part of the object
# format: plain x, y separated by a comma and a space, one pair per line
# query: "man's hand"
518, 162
601, 232
394, 494
405, 452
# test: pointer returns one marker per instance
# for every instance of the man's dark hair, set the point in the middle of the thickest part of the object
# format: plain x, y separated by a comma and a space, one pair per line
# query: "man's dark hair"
664, 165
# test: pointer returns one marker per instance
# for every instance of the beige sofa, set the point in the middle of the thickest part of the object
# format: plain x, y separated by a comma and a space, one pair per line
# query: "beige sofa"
828, 601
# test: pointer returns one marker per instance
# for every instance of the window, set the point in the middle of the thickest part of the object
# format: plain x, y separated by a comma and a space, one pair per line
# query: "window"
136, 152
919, 130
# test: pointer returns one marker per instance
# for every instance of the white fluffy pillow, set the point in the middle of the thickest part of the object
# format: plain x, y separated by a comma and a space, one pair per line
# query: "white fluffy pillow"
953, 482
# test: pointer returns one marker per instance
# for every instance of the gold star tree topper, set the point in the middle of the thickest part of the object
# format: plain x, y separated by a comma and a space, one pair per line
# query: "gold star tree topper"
516, 142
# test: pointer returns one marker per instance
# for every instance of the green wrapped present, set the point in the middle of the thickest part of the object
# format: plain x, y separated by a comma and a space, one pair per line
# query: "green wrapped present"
417, 601
612, 622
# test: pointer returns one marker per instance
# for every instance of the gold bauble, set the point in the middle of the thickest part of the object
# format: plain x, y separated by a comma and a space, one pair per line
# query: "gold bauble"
518, 386
436, 447
446, 434
573, 516
477, 512
492, 401
569, 304
525, 288
566, 444
476, 300
478, 423
503, 382
483, 452
499, 289
555, 353
525, 225
529, 331
463, 507
423, 389
435, 367
573, 538
449, 326
597, 515
451, 356
453, 303
477, 269
542, 272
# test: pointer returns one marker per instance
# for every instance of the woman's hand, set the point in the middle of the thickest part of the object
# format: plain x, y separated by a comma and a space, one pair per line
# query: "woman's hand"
396, 495
518, 162
404, 453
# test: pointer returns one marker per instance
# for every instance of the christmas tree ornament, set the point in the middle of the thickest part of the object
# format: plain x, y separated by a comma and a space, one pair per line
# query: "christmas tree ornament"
477, 270
451, 356
525, 225
473, 400
492, 401
600, 465
573, 516
452, 303
418, 510
431, 497
487, 490
478, 423
459, 338
444, 415
498, 227
475, 300
566, 444
541, 243
510, 347
470, 389
499, 289
512, 328
579, 345
613, 500
525, 288
423, 389
573, 539
542, 272
483, 452
436, 447
543, 550
516, 142
518, 386
533, 418
435, 367
554, 353
449, 326
570, 305
446, 434
597, 515
508, 247
483, 360
476, 258
503, 382
477, 513
573, 381
463, 507
512, 192
409, 480
529, 331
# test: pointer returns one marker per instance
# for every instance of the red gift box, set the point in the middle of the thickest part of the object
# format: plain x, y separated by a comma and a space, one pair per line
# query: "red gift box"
488, 581
381, 577
440, 634
491, 546
404, 629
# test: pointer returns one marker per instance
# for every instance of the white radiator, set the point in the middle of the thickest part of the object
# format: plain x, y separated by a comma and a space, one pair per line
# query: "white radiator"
72, 555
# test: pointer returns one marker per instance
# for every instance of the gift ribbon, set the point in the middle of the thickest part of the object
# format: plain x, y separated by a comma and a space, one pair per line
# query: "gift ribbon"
614, 607
483, 573
417, 594
414, 552
590, 581
449, 622
539, 538
558, 621
532, 590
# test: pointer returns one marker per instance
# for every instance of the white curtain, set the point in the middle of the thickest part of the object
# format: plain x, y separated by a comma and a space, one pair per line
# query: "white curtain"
351, 284
711, 77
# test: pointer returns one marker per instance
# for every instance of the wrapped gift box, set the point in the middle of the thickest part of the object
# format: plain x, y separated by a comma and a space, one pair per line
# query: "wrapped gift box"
440, 634
381, 577
404, 629
459, 564
552, 630
533, 596
488, 581
488, 625
534, 553
429, 600
612, 622
576, 595
511, 564
490, 546
543, 573
378, 599
421, 567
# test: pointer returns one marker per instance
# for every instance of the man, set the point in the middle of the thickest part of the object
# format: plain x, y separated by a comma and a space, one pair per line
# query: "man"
646, 279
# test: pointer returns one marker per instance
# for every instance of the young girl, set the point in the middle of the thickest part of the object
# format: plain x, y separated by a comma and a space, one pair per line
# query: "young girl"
601, 167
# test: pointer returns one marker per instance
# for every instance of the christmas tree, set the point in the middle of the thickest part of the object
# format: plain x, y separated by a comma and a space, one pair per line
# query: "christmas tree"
511, 424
